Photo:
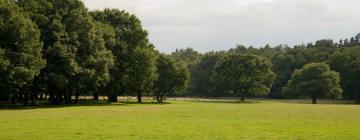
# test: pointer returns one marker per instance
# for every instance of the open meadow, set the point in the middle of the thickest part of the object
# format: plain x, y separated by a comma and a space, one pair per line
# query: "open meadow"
179, 70
257, 119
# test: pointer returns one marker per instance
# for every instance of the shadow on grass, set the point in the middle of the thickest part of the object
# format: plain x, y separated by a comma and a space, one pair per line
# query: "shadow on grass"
308, 101
47, 105
229, 101
142, 103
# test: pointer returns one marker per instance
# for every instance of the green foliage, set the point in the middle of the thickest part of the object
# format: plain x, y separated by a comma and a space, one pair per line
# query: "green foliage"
128, 29
73, 46
346, 61
124, 36
171, 78
244, 74
203, 81
98, 61
57, 49
284, 64
314, 80
20, 49
190, 58
142, 71
188, 55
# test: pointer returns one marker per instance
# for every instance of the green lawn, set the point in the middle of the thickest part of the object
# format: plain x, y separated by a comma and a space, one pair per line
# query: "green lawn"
268, 119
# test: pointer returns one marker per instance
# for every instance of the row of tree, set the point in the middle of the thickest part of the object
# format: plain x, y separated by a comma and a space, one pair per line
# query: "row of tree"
56, 49
210, 77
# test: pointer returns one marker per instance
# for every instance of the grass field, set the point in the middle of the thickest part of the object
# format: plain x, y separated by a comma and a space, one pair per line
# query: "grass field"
264, 119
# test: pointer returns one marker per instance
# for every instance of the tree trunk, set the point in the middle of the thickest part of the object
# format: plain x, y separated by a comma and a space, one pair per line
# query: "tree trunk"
77, 95
52, 97
139, 97
112, 98
109, 93
357, 96
36, 95
66, 96
26, 98
158, 97
56, 96
13, 99
33, 98
61, 95
96, 96
162, 97
314, 99
241, 93
20, 99
45, 96
41, 98
242, 96
112, 94
69, 92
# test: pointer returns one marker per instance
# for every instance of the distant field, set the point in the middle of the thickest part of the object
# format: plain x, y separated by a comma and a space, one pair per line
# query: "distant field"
261, 119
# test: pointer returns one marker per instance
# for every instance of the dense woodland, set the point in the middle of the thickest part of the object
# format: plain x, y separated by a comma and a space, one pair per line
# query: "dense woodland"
56, 51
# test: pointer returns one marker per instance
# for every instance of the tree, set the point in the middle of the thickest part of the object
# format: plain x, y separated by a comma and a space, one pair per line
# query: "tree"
190, 58
202, 81
171, 77
123, 35
346, 61
20, 51
314, 80
58, 51
243, 74
285, 64
74, 47
109, 36
188, 55
96, 61
142, 71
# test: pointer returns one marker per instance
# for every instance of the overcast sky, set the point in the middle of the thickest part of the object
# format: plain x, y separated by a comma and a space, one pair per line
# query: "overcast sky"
207, 25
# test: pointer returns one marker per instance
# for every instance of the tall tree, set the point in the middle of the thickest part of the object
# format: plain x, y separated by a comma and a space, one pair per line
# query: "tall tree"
347, 62
142, 72
128, 36
314, 80
20, 51
245, 74
171, 77
202, 82
190, 58
188, 55
109, 36
74, 47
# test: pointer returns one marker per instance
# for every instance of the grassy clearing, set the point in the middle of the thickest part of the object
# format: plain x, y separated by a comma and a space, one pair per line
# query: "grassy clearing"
269, 119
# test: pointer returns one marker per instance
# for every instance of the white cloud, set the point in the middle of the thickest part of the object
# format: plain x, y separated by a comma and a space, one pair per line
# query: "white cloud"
217, 25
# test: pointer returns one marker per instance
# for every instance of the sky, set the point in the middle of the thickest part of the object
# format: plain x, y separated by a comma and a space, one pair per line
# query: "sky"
207, 25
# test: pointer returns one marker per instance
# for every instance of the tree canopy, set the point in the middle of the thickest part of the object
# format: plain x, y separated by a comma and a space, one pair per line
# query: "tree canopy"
314, 80
54, 50
347, 63
127, 40
171, 78
20, 50
245, 74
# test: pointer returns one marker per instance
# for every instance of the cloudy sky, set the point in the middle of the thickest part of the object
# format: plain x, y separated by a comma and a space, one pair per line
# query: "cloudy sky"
207, 25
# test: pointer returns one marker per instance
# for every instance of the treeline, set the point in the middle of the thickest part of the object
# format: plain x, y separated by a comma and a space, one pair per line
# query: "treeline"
54, 50
342, 56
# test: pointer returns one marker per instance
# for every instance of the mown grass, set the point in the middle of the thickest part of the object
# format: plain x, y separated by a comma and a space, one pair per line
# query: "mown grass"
264, 119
